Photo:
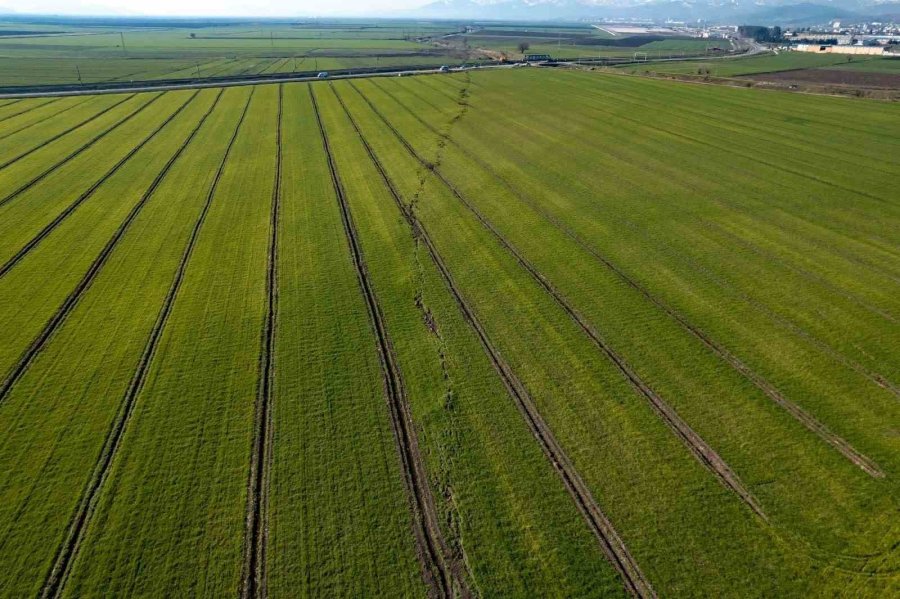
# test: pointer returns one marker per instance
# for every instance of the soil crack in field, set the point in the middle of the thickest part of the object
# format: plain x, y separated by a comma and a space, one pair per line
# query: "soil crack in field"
610, 542
68, 551
704, 453
806, 419
443, 577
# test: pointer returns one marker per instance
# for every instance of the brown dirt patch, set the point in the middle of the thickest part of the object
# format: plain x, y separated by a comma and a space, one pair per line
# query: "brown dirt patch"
849, 78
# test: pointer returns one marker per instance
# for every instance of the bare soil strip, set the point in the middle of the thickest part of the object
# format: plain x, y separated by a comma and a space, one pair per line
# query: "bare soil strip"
41, 120
87, 193
256, 535
64, 132
68, 551
444, 577
809, 421
705, 454
610, 543
37, 179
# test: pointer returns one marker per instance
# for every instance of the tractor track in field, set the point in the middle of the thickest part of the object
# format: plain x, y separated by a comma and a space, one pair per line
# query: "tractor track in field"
72, 299
71, 156
29, 109
610, 542
257, 533
41, 120
64, 132
798, 413
701, 450
68, 550
769, 257
444, 576
782, 322
50, 227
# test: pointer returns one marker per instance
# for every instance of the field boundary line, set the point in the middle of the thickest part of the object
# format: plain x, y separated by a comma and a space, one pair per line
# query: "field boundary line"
49, 228
611, 544
74, 154
797, 412
64, 132
701, 450
69, 549
443, 577
44, 119
255, 582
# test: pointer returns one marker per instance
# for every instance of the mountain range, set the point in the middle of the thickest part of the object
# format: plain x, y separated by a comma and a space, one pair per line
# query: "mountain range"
762, 12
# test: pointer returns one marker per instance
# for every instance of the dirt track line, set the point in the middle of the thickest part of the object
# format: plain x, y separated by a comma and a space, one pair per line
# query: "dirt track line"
38, 178
68, 550
813, 277
69, 303
87, 193
611, 544
41, 120
65, 132
443, 577
29, 109
702, 451
257, 533
805, 418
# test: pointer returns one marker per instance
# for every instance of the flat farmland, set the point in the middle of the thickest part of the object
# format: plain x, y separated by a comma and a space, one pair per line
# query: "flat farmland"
518, 333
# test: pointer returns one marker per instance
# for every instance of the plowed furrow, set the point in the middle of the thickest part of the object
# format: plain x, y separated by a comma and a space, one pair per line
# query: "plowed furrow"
63, 133
443, 577
610, 543
46, 118
29, 109
806, 419
37, 179
40, 236
256, 535
701, 450
68, 551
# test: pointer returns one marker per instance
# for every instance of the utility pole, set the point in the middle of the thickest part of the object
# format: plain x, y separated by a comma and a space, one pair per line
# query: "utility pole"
198, 70
78, 72
272, 39
122, 36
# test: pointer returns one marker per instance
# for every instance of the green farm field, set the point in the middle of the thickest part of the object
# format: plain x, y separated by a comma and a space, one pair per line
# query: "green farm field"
423, 337
152, 51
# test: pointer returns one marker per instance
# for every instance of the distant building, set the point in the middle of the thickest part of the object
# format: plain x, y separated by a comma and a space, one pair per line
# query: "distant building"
822, 49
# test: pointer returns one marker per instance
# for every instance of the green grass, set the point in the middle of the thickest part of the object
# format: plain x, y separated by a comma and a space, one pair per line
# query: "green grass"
727, 246
227, 49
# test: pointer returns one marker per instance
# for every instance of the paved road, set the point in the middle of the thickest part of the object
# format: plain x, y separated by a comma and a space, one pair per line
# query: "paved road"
148, 86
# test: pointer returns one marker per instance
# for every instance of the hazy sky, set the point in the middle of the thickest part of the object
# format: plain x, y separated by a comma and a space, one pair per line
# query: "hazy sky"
211, 7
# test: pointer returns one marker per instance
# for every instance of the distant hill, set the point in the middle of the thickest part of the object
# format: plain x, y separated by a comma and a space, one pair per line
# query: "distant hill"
765, 12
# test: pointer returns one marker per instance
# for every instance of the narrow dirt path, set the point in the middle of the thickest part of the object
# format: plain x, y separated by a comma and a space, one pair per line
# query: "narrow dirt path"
6, 267
610, 542
443, 575
68, 551
702, 451
257, 533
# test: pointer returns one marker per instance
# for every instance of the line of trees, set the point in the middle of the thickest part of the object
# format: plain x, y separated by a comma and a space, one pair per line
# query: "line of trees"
760, 33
